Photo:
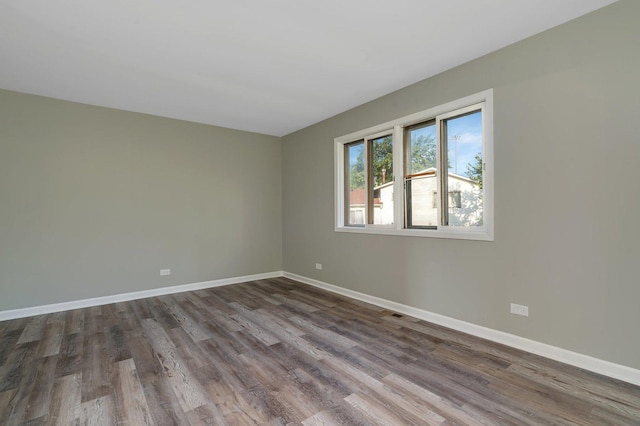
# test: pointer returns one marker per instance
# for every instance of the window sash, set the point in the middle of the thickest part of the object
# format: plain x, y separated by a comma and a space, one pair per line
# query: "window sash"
349, 211
411, 175
371, 184
443, 145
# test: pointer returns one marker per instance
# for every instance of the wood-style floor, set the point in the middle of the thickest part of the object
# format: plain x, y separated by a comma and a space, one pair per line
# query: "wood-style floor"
280, 352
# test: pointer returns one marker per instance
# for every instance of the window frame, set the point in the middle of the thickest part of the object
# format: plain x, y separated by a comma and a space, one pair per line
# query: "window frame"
484, 232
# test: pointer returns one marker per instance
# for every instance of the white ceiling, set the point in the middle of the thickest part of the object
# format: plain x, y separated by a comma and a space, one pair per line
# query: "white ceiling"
271, 67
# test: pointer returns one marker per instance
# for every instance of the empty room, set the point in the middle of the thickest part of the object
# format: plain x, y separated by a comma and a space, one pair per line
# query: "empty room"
330, 213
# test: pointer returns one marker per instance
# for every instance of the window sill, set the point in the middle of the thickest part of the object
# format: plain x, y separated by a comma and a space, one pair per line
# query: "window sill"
481, 234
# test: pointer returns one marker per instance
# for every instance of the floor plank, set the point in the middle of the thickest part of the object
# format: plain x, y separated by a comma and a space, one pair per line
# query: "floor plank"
65, 401
279, 352
130, 396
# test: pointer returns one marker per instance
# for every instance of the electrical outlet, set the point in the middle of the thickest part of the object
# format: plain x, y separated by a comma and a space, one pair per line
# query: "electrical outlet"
165, 271
318, 265
519, 309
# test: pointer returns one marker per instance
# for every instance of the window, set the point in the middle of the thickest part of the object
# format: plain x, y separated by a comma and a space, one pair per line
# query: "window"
428, 174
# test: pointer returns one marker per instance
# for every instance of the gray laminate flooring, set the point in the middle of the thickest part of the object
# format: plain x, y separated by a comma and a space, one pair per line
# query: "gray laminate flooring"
280, 352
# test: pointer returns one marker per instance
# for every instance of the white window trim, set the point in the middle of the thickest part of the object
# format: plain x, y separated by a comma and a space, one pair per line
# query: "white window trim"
483, 233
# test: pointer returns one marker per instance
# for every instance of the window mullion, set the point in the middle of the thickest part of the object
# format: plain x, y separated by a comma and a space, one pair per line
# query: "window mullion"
398, 176
368, 180
443, 169
406, 170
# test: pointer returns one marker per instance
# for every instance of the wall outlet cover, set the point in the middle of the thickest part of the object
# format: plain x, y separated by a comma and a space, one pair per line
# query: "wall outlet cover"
519, 309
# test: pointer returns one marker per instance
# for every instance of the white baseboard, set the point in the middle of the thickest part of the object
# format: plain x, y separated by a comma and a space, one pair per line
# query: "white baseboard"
104, 300
616, 371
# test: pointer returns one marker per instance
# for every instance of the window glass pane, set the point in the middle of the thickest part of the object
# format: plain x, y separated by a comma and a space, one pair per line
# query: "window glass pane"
421, 184
464, 180
422, 149
381, 184
355, 192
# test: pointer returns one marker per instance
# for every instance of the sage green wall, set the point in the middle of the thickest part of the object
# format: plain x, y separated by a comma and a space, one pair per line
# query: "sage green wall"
567, 195
95, 201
